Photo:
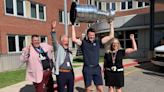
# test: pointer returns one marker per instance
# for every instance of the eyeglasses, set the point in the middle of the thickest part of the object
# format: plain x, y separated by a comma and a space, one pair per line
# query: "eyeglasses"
35, 40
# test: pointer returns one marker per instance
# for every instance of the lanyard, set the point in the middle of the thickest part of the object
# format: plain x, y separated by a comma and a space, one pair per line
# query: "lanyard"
39, 50
114, 57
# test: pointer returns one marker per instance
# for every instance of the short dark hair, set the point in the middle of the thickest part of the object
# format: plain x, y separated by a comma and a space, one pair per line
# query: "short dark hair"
91, 30
163, 38
34, 36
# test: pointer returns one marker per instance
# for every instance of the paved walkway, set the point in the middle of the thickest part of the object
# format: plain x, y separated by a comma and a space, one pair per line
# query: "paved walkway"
27, 86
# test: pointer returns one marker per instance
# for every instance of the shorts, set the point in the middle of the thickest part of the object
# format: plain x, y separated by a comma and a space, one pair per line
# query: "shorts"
92, 73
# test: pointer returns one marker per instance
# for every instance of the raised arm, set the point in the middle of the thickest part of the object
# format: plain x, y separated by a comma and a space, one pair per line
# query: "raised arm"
74, 39
111, 34
53, 35
134, 45
25, 54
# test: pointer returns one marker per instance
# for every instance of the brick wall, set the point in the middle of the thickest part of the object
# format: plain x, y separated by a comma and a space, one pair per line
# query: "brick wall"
24, 26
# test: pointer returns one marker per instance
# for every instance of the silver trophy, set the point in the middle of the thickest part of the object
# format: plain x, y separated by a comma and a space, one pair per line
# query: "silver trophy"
82, 13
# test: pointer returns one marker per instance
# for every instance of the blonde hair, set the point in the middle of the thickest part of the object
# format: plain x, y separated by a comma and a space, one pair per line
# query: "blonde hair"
109, 48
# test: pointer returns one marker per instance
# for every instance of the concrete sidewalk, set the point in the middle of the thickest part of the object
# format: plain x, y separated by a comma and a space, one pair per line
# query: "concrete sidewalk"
27, 86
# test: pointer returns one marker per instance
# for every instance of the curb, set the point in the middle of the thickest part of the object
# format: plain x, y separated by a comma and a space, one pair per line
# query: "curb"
125, 65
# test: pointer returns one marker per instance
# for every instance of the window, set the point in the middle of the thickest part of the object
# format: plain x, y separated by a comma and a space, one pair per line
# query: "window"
15, 7
38, 11
110, 5
11, 43
122, 43
75, 45
140, 4
113, 6
16, 43
123, 5
9, 6
98, 5
130, 4
22, 42
33, 10
124, 39
61, 16
20, 8
107, 5
41, 12
120, 36
131, 32
89, 2
43, 39
146, 4
95, 3
126, 5
88, 25
128, 40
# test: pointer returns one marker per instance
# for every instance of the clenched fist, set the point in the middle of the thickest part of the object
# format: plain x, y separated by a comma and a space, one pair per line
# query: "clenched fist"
28, 48
131, 36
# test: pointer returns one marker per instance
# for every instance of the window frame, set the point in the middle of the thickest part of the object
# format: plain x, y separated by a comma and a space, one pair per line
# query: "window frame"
16, 42
37, 11
43, 37
143, 3
63, 20
98, 5
15, 9
110, 5
126, 6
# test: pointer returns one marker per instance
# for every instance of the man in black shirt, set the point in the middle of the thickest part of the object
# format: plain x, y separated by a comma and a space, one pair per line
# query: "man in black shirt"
90, 49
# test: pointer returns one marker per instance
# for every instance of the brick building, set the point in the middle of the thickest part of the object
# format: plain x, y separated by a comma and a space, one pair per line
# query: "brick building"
19, 19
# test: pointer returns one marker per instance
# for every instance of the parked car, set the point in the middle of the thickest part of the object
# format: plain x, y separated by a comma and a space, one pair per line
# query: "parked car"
158, 58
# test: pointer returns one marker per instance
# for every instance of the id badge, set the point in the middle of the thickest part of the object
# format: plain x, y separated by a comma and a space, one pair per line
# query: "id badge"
114, 68
68, 64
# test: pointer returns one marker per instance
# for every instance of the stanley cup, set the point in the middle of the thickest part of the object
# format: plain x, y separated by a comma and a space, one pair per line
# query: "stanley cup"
81, 13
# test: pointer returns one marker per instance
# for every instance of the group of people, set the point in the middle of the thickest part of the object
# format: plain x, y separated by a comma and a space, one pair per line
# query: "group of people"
40, 65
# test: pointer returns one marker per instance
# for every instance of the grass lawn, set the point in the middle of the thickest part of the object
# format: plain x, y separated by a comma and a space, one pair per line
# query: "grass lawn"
12, 77
76, 66
80, 60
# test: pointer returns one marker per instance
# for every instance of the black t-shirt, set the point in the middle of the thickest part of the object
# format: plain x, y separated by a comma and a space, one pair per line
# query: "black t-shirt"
91, 52
118, 61
44, 59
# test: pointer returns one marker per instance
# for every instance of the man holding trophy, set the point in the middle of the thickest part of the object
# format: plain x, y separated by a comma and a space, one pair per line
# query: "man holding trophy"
90, 46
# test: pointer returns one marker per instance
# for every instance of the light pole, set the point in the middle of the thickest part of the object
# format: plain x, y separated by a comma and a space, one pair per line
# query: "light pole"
65, 17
